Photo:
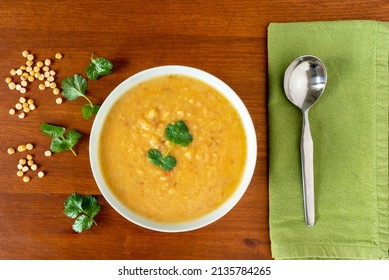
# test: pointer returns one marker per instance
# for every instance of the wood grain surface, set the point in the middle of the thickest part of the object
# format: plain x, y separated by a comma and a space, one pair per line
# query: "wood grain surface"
226, 38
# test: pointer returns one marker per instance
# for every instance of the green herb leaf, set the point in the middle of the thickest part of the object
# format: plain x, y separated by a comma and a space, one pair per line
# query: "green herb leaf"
83, 209
73, 206
72, 138
64, 144
90, 205
178, 133
61, 142
58, 145
82, 222
168, 163
165, 162
74, 87
52, 130
89, 110
155, 157
98, 67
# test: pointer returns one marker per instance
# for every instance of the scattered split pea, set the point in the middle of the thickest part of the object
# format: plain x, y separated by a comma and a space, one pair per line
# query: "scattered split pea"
25, 105
26, 164
28, 73
11, 151
40, 70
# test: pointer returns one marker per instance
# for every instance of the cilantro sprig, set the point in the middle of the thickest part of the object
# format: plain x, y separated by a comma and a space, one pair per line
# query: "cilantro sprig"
61, 141
83, 209
176, 133
98, 67
74, 88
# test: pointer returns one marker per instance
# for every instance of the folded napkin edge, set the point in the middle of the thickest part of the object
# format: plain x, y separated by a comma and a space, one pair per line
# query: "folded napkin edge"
327, 251
382, 74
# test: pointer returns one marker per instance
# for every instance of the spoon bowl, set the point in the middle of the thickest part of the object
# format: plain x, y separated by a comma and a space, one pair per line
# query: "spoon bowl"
305, 80
304, 83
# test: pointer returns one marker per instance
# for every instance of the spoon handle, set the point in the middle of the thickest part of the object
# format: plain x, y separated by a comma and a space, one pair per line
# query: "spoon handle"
307, 170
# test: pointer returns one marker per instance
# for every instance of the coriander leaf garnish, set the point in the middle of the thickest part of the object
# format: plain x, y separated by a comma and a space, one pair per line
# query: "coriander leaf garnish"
58, 145
168, 163
74, 88
52, 130
98, 67
176, 133
155, 157
81, 223
90, 206
73, 206
165, 162
64, 144
88, 110
60, 141
72, 137
83, 209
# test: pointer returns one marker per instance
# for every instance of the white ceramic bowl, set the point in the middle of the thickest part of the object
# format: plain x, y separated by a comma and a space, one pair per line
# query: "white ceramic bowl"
222, 88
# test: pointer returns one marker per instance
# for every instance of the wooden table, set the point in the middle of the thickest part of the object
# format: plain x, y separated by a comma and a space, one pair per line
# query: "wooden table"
225, 38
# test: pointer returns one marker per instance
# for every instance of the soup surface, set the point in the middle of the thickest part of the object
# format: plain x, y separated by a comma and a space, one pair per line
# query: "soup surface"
208, 170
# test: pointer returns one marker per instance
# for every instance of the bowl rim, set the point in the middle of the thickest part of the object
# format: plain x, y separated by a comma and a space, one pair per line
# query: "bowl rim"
220, 86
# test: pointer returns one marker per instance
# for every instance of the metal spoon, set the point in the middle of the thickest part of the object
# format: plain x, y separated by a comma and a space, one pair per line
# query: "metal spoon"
304, 82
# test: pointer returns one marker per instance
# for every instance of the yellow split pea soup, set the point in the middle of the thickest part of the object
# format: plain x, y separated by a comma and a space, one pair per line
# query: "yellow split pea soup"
208, 170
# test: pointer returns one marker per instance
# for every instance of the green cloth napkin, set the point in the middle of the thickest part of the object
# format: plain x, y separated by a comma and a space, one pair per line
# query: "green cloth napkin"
349, 126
